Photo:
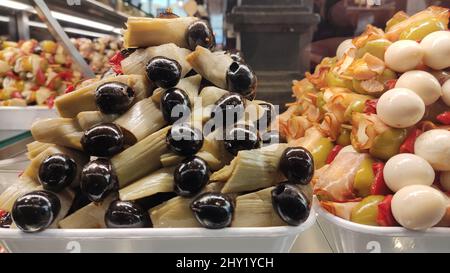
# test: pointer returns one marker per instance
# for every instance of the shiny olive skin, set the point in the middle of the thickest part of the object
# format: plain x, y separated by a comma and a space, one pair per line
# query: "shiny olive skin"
199, 33
126, 214
268, 116
290, 204
178, 99
163, 72
241, 138
35, 211
98, 179
242, 80
57, 172
114, 97
184, 139
270, 137
103, 140
213, 210
190, 176
228, 109
297, 165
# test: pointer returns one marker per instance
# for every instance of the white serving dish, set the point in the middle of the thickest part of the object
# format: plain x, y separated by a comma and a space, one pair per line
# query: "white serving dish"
267, 239
345, 236
21, 118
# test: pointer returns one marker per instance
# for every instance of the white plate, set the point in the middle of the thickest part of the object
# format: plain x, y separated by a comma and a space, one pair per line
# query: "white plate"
21, 118
267, 239
346, 236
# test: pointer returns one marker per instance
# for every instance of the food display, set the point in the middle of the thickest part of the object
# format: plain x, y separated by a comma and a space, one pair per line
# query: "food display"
173, 138
376, 119
34, 73
98, 51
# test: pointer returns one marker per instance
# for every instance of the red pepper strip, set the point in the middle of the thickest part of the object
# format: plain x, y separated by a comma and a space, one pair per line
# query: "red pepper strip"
3, 213
40, 77
16, 95
379, 186
444, 118
371, 106
66, 75
50, 102
70, 88
332, 155
115, 62
408, 144
385, 217
12, 75
390, 84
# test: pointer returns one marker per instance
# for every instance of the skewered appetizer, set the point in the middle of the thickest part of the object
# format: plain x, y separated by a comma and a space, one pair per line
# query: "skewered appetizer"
176, 140
376, 119
33, 73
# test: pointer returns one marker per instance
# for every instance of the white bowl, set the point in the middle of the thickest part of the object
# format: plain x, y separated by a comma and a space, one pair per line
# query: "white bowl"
346, 236
262, 239
21, 118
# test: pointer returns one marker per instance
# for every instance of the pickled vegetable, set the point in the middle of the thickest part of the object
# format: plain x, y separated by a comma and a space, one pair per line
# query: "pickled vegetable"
364, 178
387, 144
320, 152
418, 30
366, 211
376, 48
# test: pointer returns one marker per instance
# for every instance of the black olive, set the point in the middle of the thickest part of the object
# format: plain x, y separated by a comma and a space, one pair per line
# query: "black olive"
163, 72
103, 140
228, 110
242, 80
175, 104
126, 214
213, 210
57, 171
199, 33
190, 176
35, 211
267, 117
241, 138
270, 137
98, 179
290, 204
114, 97
297, 165
184, 139
5, 219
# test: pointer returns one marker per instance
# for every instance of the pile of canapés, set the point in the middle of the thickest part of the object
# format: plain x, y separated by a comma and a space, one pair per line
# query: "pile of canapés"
118, 157
376, 119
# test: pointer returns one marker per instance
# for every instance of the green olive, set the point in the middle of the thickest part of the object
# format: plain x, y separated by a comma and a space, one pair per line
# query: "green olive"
344, 137
320, 152
395, 20
376, 48
387, 144
366, 211
418, 30
364, 178
335, 81
356, 106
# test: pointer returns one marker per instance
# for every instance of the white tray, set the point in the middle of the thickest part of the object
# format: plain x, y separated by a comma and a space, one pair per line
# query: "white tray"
346, 236
21, 118
268, 239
